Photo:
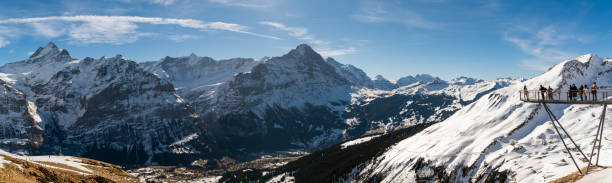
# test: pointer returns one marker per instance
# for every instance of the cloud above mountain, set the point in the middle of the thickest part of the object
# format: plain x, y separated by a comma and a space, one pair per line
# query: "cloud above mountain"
115, 29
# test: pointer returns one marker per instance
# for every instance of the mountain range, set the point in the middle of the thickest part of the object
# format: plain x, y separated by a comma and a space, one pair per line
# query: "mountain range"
179, 109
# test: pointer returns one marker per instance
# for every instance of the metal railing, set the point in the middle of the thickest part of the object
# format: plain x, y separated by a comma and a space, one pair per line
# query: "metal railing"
557, 96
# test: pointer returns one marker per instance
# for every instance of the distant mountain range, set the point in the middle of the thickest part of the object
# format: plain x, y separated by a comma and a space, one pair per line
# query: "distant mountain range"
176, 110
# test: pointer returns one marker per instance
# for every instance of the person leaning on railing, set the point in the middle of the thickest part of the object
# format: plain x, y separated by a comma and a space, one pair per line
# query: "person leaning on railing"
543, 92
526, 92
549, 91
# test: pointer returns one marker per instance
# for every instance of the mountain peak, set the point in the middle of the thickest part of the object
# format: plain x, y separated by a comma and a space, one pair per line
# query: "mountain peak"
301, 50
51, 45
50, 49
588, 57
379, 77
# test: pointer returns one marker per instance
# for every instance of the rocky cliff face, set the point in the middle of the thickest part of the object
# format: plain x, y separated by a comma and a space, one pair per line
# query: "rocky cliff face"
20, 122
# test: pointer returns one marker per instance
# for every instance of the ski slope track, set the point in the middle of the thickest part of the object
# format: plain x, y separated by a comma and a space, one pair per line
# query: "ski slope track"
500, 137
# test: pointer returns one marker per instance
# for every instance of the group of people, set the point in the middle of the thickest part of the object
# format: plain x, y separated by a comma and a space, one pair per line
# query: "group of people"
572, 94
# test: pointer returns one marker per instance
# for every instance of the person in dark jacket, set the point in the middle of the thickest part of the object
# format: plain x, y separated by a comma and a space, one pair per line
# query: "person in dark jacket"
572, 92
543, 92
575, 92
580, 92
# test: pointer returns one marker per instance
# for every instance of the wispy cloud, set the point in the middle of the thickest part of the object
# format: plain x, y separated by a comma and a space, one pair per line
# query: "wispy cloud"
115, 29
377, 12
163, 2
3, 42
183, 37
336, 52
6, 32
244, 3
545, 44
300, 33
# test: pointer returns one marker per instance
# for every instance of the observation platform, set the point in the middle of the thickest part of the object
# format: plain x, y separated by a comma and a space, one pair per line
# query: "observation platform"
601, 97
563, 97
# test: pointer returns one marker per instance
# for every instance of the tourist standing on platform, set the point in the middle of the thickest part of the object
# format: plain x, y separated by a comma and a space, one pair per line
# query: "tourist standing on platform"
586, 92
594, 91
570, 93
573, 90
580, 92
526, 92
549, 91
543, 92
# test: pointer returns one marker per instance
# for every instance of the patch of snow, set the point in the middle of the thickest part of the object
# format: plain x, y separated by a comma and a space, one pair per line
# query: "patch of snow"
282, 178
597, 176
357, 141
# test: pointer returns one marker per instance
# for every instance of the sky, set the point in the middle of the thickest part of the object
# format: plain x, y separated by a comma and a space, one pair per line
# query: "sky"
485, 39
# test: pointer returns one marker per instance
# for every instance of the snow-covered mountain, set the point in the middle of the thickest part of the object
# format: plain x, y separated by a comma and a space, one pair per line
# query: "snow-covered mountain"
500, 137
423, 78
300, 100
98, 107
184, 108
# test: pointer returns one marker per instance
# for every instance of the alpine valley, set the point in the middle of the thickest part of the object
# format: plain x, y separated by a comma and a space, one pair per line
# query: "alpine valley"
180, 109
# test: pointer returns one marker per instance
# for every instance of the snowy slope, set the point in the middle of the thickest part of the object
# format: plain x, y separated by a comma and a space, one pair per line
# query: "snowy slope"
198, 77
419, 102
499, 133
20, 168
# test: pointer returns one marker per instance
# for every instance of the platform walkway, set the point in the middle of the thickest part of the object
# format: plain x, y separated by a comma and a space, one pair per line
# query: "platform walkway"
563, 97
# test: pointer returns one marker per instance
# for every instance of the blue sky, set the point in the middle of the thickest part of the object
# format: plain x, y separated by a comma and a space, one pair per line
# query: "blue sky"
446, 38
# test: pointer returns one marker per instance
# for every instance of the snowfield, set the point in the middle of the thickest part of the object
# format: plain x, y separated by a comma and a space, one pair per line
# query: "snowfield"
501, 133
598, 176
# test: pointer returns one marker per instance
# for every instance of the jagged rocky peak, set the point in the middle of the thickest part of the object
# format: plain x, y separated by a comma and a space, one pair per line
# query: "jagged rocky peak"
51, 50
304, 51
380, 78
382, 83
465, 80
423, 78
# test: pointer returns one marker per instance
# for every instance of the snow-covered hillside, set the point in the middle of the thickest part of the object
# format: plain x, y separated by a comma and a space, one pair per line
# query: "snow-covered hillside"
499, 134
20, 168
420, 102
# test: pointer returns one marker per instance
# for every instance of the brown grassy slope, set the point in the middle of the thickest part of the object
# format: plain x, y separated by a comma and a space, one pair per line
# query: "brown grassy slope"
576, 175
34, 172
